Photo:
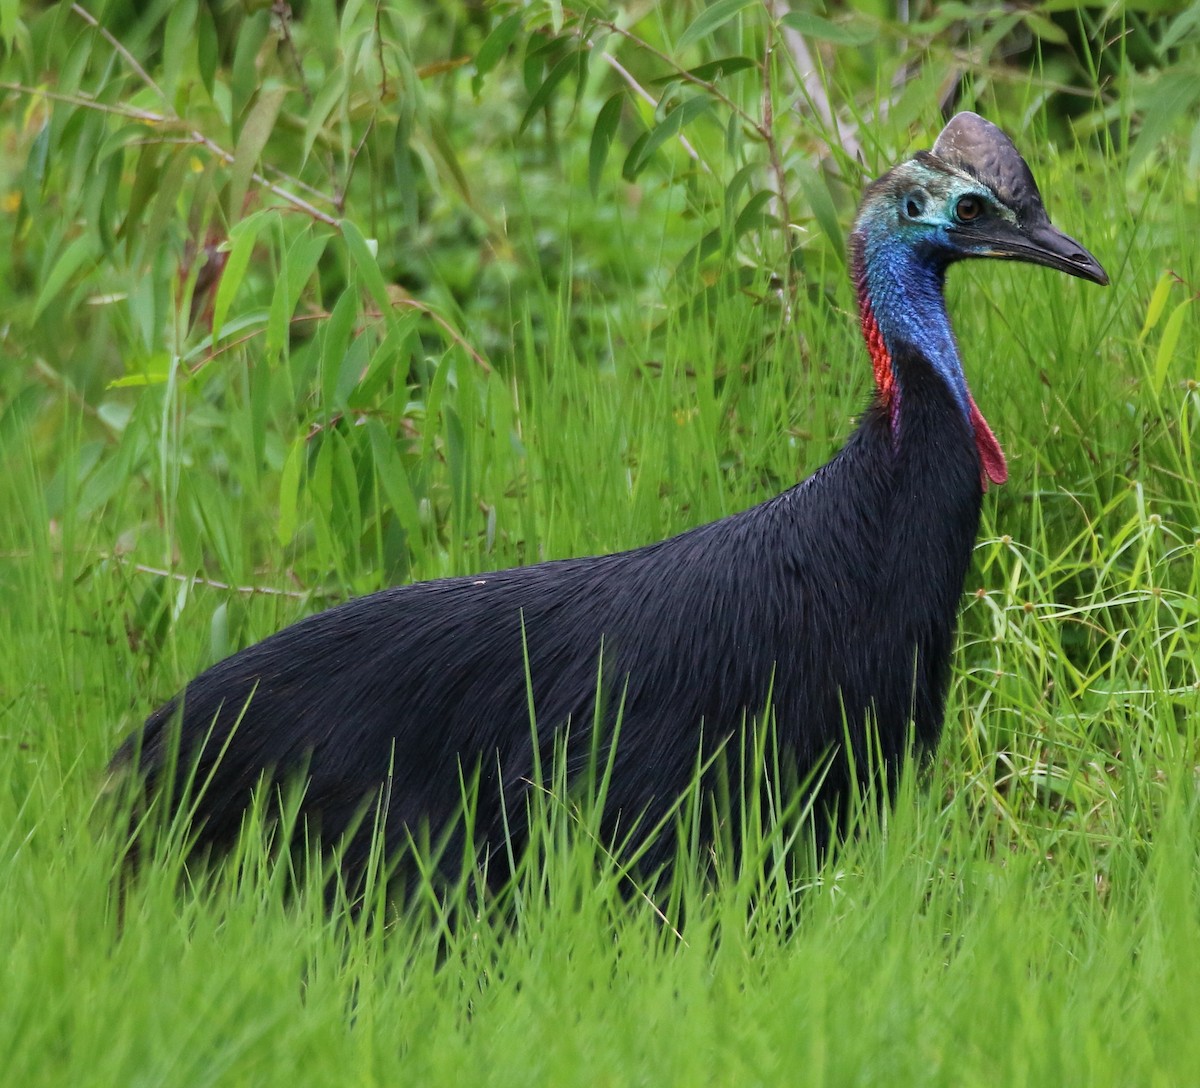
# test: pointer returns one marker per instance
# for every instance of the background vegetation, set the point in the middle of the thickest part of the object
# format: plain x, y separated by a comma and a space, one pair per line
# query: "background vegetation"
300, 302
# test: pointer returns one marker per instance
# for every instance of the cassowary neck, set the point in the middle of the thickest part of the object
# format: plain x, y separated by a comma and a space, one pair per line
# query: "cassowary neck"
901, 303
902, 307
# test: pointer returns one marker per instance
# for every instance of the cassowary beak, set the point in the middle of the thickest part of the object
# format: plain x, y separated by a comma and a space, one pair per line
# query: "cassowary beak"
978, 149
1041, 243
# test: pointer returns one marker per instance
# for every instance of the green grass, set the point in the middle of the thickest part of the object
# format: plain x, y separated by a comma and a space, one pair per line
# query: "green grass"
1027, 910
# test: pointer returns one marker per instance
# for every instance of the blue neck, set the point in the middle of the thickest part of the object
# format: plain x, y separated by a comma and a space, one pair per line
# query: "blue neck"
904, 285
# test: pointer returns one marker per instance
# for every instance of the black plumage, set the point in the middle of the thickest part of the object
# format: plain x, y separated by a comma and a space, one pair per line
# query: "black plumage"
835, 602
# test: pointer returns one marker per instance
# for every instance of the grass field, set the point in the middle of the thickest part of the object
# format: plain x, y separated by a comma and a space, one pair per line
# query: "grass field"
1027, 912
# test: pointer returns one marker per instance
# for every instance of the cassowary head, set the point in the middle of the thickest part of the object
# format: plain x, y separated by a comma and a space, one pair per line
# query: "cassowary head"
971, 196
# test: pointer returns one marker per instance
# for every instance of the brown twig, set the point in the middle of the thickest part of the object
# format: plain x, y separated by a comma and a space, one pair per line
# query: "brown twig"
130, 59
412, 303
767, 128
213, 583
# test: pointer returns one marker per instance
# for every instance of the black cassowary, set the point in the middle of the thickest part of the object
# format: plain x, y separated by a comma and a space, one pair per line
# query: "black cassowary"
835, 602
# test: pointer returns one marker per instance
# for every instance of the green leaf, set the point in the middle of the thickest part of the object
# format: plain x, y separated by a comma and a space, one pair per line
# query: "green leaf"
121, 139
178, 36
335, 340
146, 180
208, 48
816, 190
394, 480
385, 361
241, 244
449, 160
289, 490
346, 512
495, 45
813, 26
671, 125
281, 308
368, 267
333, 89
9, 19
1044, 28
1168, 344
254, 135
1170, 97
602, 137
709, 19
712, 71
1158, 303
154, 370
85, 248
164, 211
752, 215
244, 76
543, 94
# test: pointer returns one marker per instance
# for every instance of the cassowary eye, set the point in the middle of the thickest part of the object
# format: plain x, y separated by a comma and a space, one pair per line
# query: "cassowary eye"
968, 208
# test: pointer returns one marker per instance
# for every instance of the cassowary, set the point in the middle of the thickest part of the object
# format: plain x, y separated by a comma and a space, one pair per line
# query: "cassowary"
829, 610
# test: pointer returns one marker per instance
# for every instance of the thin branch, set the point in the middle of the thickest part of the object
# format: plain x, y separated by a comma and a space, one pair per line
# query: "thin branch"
449, 329
646, 96
87, 102
777, 168
684, 75
212, 583
291, 198
411, 303
170, 117
130, 59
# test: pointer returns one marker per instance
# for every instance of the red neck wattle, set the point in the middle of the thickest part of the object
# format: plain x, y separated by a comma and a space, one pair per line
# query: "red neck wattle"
881, 359
992, 466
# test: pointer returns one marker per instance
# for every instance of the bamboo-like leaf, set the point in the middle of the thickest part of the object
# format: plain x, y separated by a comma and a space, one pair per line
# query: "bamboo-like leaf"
449, 160
565, 66
602, 137
406, 174
208, 47
154, 370
1168, 344
394, 480
814, 26
146, 181
255, 133
1043, 27
178, 36
1158, 303
119, 140
346, 513
10, 12
367, 266
244, 78
711, 71
752, 215
289, 490
386, 358
280, 311
164, 210
495, 45
821, 203
671, 125
713, 16
83, 249
1172, 96
333, 89
335, 339
241, 244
